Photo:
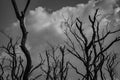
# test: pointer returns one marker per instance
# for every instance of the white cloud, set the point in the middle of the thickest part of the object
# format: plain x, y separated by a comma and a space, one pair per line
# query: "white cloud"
43, 26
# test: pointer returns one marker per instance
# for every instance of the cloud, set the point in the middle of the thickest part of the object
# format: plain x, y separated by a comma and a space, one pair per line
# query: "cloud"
45, 26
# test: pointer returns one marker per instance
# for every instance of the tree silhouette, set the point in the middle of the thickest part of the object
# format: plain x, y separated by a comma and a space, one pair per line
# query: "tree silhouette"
112, 62
57, 67
14, 63
89, 50
20, 15
19, 71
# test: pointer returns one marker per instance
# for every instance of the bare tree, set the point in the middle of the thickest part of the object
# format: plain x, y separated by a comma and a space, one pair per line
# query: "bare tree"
15, 62
112, 62
89, 50
20, 15
57, 67
19, 71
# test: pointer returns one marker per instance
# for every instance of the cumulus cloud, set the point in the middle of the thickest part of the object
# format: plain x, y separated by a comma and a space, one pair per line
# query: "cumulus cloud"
45, 26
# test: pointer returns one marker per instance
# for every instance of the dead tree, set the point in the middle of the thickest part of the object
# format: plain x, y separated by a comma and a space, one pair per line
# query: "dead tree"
17, 69
112, 62
89, 50
57, 68
20, 15
15, 62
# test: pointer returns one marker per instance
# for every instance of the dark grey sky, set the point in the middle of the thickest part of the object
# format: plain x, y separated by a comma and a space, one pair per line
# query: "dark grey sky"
7, 14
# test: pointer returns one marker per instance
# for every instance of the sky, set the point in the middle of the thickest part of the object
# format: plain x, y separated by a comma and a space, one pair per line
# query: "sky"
44, 19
